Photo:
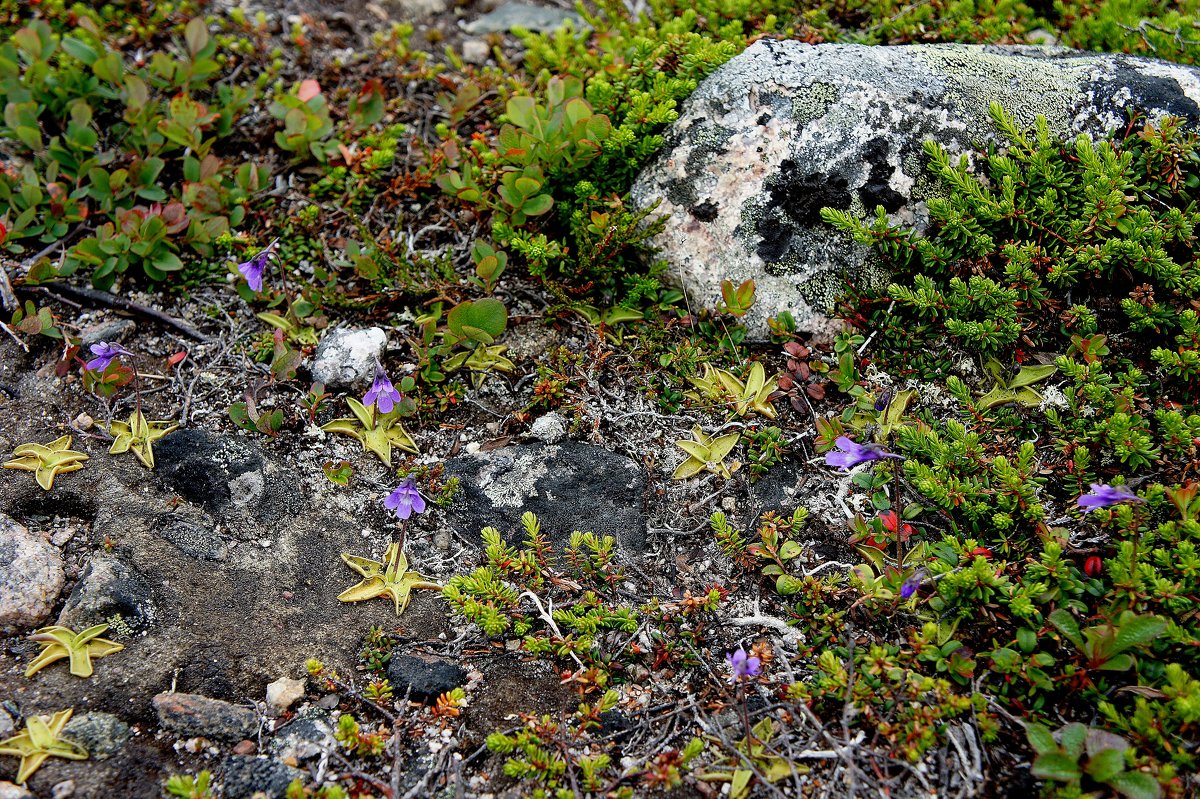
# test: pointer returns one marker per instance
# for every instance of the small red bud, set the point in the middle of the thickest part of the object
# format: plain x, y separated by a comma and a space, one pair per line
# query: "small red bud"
1093, 566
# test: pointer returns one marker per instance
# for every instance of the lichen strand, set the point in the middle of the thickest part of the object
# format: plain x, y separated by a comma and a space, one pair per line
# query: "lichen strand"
813, 102
976, 78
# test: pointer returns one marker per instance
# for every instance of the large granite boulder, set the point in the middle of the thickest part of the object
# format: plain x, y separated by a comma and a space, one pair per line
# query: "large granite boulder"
786, 129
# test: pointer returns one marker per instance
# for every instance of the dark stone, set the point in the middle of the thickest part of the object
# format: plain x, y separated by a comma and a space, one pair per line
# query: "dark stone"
569, 486
101, 734
423, 679
189, 715
110, 587
614, 723
246, 775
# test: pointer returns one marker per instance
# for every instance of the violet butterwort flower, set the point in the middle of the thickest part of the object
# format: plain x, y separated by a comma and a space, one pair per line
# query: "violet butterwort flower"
105, 354
253, 269
744, 666
382, 394
405, 500
853, 454
1103, 496
912, 584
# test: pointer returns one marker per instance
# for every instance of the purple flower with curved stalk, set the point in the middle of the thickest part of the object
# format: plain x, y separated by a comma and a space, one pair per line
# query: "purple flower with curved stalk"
1104, 496
382, 394
405, 500
105, 354
744, 665
912, 584
853, 454
253, 269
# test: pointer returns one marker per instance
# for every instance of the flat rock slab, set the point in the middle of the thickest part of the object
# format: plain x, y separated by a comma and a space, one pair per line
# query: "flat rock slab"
786, 128
569, 486
189, 714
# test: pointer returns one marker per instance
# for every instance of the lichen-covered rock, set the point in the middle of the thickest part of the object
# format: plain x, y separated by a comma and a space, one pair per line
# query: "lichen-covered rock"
31, 576
569, 486
786, 128
347, 357
101, 734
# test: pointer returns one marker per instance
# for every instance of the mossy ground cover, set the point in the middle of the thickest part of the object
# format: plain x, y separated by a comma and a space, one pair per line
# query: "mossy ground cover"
966, 626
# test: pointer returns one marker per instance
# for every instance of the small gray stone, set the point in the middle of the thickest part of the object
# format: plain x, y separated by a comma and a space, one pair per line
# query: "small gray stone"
63, 790
551, 428
31, 576
476, 51
346, 357
1042, 38
6, 724
246, 775
101, 734
415, 10
113, 330
423, 679
539, 19
192, 714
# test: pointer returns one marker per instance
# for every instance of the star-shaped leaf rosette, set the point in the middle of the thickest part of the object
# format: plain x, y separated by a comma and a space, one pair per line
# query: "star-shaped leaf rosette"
40, 740
376, 420
389, 577
47, 461
138, 436
706, 454
63, 642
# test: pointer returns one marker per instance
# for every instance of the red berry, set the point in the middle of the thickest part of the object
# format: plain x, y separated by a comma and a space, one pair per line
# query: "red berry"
1093, 566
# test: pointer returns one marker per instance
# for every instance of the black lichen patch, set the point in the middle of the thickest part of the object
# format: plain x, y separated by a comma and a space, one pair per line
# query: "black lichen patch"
1149, 91
877, 190
795, 200
705, 211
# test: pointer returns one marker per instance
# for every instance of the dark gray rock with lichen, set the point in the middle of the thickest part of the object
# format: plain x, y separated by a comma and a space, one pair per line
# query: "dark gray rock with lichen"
786, 129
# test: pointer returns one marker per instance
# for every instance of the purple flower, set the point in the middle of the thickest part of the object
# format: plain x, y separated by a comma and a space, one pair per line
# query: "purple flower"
912, 584
405, 500
1103, 496
382, 393
743, 665
853, 454
253, 269
105, 354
